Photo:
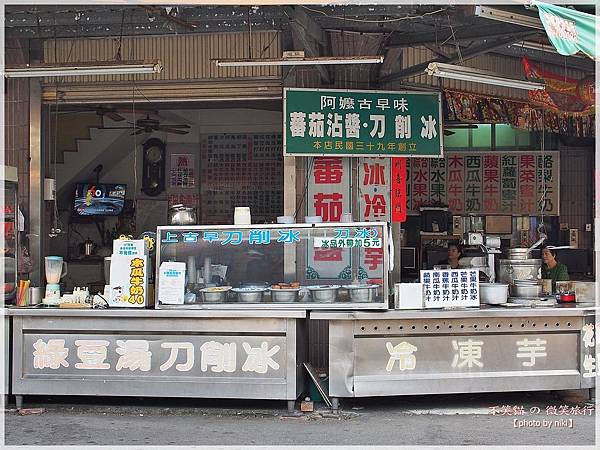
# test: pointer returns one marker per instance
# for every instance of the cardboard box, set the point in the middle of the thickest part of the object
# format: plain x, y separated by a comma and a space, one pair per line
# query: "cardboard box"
171, 283
408, 296
128, 282
129, 247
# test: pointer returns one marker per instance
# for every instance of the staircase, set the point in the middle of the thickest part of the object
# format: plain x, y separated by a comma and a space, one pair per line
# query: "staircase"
75, 163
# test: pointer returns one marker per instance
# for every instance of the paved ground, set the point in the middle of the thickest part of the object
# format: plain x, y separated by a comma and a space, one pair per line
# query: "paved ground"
430, 420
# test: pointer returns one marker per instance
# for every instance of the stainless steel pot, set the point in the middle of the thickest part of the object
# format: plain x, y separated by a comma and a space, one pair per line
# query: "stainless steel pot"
182, 215
517, 253
518, 269
526, 291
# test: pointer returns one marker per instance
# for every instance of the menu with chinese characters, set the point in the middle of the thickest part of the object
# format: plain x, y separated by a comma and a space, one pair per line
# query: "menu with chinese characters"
487, 183
452, 287
243, 169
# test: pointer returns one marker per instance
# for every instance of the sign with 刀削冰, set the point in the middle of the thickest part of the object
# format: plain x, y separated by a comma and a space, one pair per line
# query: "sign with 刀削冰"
362, 123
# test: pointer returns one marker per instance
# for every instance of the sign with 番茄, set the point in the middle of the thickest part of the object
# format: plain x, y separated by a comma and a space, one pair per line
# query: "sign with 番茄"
362, 123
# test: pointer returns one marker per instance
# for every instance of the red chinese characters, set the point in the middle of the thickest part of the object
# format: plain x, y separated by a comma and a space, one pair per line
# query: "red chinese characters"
329, 206
399, 190
328, 171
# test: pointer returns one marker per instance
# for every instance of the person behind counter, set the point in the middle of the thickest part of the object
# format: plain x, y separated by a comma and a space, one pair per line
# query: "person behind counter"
552, 269
454, 255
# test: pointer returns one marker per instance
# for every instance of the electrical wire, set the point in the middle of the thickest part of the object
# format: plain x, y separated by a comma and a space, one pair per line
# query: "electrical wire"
397, 19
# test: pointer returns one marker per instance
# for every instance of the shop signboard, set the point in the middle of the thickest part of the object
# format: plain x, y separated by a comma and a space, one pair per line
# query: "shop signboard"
149, 358
374, 205
362, 123
487, 182
406, 357
329, 197
398, 190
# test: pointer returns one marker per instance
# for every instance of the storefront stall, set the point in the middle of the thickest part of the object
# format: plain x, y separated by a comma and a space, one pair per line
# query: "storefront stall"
476, 350
205, 338
149, 353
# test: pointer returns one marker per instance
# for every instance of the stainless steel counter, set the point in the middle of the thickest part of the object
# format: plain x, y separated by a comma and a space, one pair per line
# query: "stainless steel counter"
488, 349
158, 313
485, 311
254, 354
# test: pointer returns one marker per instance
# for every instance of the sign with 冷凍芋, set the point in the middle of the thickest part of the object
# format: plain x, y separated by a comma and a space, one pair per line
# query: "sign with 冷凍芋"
487, 182
362, 123
452, 287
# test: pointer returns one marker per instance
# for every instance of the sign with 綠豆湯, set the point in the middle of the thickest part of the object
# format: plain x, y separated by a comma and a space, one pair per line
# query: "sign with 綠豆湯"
362, 123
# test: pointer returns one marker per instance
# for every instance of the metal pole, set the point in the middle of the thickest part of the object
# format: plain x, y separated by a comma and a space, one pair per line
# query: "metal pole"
36, 180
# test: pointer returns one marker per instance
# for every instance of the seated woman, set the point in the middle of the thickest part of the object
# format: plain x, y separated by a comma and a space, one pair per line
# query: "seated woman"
551, 268
454, 255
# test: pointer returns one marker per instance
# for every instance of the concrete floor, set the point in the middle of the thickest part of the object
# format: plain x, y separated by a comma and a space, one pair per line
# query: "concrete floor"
424, 420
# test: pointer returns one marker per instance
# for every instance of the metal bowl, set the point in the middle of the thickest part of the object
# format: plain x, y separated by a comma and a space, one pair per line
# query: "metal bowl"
249, 294
214, 295
520, 290
324, 293
361, 293
284, 295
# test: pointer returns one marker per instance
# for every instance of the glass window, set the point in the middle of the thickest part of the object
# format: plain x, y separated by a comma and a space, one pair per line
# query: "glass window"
523, 137
336, 263
482, 136
505, 136
460, 138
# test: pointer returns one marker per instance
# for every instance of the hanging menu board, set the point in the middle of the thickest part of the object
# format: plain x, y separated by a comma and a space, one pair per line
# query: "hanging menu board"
487, 182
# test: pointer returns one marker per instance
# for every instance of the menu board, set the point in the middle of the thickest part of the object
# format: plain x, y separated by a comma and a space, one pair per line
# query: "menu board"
241, 170
487, 182
451, 287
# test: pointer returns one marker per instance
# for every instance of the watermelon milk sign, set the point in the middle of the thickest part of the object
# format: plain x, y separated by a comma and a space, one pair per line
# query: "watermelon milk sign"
320, 122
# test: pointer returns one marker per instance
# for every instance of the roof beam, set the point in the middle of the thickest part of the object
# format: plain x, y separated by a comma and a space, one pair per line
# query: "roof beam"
461, 34
467, 53
310, 36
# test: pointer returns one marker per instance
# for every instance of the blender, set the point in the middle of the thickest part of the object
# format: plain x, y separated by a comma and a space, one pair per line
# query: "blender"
54, 272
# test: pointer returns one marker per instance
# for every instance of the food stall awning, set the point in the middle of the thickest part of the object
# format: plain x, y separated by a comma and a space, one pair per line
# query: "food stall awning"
569, 30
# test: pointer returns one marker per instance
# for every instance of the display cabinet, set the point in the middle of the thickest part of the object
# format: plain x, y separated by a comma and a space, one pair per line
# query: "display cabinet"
8, 179
305, 266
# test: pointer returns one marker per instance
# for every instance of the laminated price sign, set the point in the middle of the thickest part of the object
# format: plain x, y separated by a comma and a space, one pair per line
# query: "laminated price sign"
362, 123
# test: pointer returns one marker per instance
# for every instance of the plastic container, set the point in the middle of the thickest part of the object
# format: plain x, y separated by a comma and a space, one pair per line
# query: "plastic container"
285, 219
241, 216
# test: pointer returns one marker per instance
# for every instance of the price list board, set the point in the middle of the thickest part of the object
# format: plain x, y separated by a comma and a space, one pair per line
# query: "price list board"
241, 170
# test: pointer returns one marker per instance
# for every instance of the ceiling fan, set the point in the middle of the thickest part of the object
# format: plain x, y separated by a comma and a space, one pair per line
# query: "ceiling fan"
112, 112
149, 125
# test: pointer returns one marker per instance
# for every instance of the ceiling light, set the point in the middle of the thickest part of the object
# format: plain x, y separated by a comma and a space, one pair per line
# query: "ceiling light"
509, 17
300, 61
83, 68
480, 76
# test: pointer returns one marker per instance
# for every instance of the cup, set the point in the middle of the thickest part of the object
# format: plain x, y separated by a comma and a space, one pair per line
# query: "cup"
241, 216
547, 286
35, 295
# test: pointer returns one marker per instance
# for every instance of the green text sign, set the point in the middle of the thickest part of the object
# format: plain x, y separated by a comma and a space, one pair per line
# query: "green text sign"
361, 123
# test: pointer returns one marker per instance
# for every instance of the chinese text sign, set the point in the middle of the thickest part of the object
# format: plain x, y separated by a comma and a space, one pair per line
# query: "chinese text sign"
362, 123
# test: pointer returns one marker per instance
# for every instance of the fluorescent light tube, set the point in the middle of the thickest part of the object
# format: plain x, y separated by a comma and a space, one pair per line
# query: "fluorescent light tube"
480, 76
508, 17
300, 61
83, 68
